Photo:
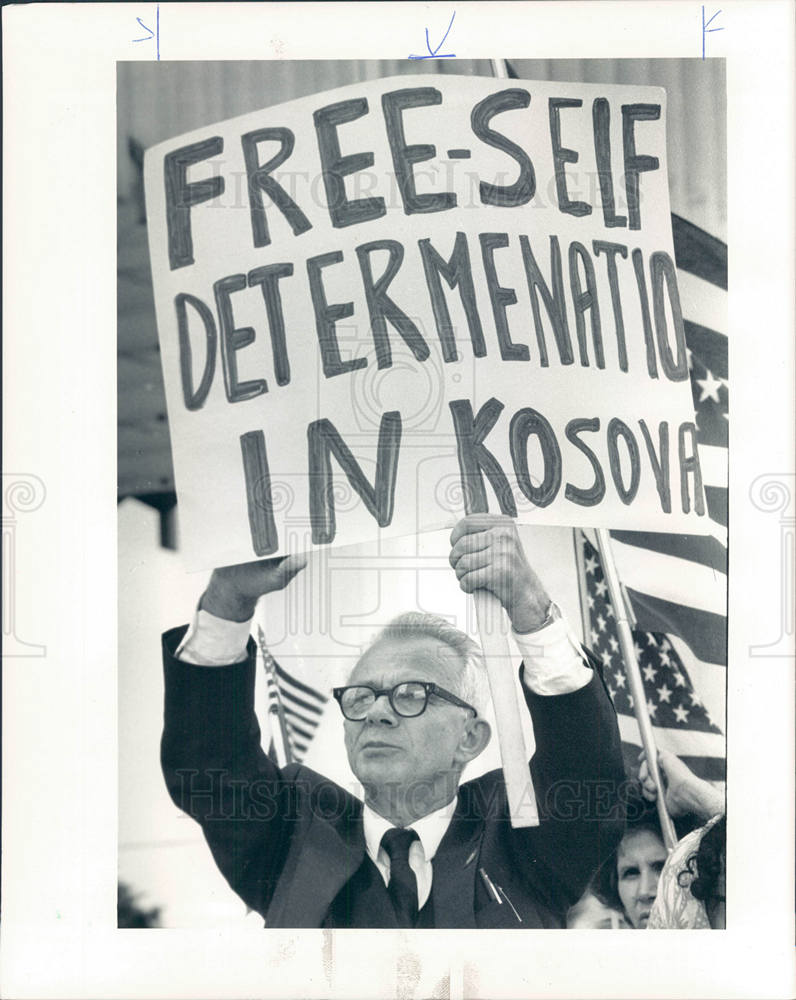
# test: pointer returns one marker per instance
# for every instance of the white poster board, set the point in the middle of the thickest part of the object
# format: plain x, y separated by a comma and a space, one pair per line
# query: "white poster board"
387, 305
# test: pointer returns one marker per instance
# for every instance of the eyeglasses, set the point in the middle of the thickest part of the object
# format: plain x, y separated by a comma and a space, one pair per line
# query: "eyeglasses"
408, 699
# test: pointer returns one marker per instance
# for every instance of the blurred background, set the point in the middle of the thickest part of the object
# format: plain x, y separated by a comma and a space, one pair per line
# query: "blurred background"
316, 630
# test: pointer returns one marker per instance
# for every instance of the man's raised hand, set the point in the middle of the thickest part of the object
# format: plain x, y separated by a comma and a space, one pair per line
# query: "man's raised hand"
233, 591
486, 554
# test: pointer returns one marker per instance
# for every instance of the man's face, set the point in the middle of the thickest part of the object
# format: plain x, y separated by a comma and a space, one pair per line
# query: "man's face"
385, 748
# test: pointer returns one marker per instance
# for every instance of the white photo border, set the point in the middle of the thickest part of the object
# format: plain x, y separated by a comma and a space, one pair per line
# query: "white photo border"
60, 779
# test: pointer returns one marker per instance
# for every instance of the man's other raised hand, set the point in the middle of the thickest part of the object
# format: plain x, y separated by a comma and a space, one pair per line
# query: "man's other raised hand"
487, 554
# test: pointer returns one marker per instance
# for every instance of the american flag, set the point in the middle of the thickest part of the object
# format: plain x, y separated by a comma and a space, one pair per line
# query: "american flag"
294, 707
681, 721
677, 584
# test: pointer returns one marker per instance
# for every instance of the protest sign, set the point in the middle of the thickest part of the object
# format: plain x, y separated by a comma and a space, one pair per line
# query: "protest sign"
393, 303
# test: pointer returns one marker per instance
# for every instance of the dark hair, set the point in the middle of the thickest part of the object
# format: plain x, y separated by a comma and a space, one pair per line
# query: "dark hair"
704, 866
605, 881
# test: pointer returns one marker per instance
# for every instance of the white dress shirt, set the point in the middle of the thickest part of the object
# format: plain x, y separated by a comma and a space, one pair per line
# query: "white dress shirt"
430, 831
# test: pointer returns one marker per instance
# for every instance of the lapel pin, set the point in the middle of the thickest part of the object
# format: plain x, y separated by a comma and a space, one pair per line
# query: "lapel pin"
490, 885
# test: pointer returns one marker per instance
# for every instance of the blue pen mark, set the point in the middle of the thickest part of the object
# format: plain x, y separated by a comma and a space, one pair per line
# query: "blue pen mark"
151, 34
706, 30
435, 53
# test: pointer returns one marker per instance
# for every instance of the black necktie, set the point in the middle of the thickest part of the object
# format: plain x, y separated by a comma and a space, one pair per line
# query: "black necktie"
402, 886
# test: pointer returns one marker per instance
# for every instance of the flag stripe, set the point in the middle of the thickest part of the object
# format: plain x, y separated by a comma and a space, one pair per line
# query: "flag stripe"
717, 498
713, 429
691, 742
698, 252
708, 768
702, 302
713, 465
296, 731
702, 549
301, 702
295, 726
297, 705
709, 680
708, 346
669, 577
705, 633
308, 720
290, 707
312, 692
286, 692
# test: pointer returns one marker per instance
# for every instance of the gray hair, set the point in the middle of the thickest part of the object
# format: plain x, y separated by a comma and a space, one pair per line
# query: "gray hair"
473, 685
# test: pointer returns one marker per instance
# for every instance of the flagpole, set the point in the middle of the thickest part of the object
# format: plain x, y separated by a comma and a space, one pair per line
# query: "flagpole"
624, 630
278, 734
580, 569
276, 712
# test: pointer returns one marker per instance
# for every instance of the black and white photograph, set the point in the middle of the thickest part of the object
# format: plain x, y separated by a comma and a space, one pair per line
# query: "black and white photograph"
359, 717
413, 558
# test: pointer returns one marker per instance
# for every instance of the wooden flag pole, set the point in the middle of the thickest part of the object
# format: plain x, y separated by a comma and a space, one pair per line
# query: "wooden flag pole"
580, 569
623, 627
493, 631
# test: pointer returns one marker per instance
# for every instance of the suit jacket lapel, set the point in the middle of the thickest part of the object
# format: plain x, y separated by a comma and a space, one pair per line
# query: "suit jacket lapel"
315, 871
455, 864
321, 862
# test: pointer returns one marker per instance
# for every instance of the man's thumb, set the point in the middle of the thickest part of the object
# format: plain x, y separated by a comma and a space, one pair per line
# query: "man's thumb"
291, 565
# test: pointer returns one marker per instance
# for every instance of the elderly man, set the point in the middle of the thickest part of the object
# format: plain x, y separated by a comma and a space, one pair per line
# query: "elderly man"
422, 850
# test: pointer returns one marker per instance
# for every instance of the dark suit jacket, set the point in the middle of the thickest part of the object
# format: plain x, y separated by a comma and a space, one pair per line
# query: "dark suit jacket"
291, 842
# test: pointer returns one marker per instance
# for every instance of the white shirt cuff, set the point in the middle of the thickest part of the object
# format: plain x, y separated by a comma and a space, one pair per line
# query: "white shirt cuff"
554, 662
214, 642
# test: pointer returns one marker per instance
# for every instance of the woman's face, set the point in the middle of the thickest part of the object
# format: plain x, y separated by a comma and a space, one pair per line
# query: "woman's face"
639, 860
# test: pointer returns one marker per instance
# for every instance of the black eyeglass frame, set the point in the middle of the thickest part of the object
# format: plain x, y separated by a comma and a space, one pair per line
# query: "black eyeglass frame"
428, 686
